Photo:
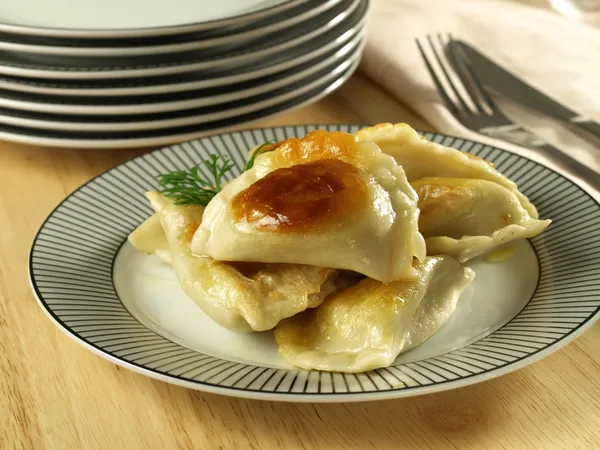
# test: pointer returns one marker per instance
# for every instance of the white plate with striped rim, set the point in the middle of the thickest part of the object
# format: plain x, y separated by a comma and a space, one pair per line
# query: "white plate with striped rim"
129, 309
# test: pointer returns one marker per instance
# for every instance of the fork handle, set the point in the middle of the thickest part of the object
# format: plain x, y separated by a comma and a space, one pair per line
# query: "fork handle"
589, 175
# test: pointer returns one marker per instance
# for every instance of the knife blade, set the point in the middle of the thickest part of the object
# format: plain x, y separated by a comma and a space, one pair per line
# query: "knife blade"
502, 81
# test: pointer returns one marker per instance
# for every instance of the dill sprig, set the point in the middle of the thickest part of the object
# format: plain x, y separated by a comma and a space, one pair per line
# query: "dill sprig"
260, 150
188, 187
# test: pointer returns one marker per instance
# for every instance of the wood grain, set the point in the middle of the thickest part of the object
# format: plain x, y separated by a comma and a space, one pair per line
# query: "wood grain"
56, 395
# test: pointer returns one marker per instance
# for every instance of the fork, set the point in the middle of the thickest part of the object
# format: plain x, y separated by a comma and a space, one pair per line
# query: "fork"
473, 107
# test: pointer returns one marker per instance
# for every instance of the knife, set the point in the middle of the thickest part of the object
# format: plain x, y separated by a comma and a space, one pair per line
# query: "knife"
505, 83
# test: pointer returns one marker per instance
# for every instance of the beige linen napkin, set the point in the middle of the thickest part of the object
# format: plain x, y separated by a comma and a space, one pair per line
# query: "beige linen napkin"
558, 56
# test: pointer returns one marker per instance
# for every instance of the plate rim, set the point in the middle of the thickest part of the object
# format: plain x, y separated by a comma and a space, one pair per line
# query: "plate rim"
293, 89
54, 89
162, 49
303, 397
335, 22
127, 112
167, 140
147, 31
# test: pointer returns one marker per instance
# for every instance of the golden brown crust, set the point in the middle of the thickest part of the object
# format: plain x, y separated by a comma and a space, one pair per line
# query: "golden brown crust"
303, 196
506, 219
316, 145
437, 195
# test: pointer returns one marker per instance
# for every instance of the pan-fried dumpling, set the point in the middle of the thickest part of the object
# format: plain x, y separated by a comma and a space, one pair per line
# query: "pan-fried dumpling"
150, 238
324, 200
422, 158
367, 326
466, 217
241, 297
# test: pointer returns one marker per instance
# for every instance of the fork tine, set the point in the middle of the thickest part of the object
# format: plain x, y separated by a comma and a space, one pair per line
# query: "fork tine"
472, 84
457, 63
440, 88
442, 65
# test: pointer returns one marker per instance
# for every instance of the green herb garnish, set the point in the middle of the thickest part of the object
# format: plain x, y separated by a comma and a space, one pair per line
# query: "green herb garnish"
257, 152
188, 187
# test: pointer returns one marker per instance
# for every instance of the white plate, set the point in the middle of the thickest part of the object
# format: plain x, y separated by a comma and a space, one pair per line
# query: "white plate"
301, 85
94, 18
153, 138
183, 82
286, 19
145, 116
338, 20
509, 284
127, 308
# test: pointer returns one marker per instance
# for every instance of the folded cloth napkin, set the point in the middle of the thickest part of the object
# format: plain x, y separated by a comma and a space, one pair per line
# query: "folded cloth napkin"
552, 53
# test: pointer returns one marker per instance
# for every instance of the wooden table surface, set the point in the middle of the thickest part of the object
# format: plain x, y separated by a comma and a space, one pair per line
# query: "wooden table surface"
54, 394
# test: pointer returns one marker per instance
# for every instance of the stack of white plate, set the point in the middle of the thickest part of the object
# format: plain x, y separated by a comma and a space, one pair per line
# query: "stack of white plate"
115, 74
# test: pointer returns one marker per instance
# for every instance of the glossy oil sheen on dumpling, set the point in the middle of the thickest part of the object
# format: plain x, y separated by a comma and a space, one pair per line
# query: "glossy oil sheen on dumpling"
241, 297
422, 158
324, 200
368, 325
465, 217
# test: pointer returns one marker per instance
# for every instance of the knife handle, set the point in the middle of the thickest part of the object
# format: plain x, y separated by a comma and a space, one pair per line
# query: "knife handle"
584, 172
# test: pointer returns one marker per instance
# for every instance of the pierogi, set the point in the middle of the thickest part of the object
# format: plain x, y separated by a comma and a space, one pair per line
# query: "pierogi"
467, 217
239, 296
348, 246
422, 158
325, 200
368, 325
